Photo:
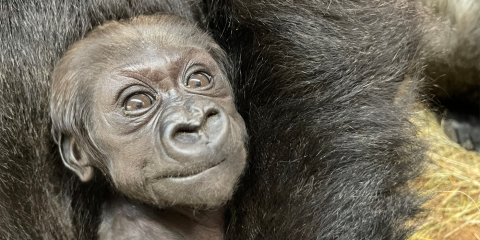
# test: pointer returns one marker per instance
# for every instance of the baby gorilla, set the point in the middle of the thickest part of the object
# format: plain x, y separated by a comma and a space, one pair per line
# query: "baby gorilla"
147, 102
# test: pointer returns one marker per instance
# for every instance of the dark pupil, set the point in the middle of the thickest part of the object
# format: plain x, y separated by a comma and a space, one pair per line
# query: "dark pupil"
198, 83
139, 104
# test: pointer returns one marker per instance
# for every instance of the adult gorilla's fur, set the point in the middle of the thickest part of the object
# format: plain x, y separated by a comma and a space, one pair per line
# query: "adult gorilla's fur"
330, 149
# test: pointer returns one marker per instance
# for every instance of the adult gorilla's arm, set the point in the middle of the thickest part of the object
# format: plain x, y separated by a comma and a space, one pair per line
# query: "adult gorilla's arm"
331, 147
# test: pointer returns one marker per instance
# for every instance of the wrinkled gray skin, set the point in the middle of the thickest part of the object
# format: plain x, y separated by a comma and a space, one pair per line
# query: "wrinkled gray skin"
176, 159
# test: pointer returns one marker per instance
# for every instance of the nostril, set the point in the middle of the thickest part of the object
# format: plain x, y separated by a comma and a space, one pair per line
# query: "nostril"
211, 113
213, 123
186, 134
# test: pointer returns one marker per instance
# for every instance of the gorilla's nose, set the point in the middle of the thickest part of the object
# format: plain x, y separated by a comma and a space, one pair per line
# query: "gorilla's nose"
198, 127
195, 133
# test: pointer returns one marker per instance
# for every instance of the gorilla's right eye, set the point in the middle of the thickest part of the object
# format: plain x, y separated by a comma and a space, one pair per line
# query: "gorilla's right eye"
137, 102
198, 80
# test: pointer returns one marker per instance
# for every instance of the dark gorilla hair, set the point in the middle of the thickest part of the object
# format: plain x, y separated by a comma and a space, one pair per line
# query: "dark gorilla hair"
331, 146
40, 198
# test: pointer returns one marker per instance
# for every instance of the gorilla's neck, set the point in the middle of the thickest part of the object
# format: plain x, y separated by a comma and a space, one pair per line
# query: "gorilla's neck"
126, 219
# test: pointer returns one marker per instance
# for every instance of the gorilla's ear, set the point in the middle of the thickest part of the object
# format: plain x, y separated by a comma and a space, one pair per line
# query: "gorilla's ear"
75, 158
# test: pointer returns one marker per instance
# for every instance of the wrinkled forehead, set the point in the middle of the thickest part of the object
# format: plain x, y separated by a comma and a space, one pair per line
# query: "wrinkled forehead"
150, 61
167, 58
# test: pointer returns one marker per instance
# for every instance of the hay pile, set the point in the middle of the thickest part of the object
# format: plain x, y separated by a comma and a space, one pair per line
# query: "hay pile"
452, 181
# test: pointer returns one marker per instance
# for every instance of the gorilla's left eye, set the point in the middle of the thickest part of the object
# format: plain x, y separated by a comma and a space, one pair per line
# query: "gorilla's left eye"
198, 80
137, 102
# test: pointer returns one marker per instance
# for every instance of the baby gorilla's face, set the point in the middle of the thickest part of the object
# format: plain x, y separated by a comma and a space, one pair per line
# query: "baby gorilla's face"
166, 121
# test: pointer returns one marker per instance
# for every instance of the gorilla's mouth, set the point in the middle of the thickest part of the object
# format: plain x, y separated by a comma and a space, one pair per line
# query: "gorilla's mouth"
193, 172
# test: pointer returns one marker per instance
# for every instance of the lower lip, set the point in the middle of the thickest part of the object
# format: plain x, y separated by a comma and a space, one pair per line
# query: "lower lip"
195, 174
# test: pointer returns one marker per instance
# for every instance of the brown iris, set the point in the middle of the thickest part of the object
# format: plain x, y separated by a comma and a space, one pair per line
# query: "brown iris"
198, 80
137, 102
